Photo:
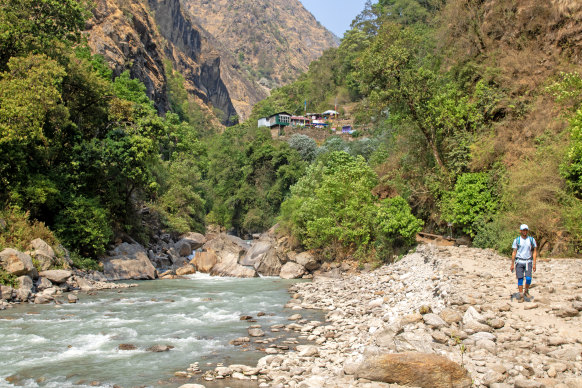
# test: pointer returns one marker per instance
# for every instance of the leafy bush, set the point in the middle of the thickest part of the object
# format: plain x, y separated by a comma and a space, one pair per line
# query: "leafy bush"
85, 263
471, 200
396, 223
20, 230
572, 169
84, 226
496, 235
7, 279
305, 145
332, 204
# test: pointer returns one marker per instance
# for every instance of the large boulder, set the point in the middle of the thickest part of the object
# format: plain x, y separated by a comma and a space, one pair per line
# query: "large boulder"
128, 261
183, 248
292, 270
43, 253
307, 260
229, 250
415, 369
258, 250
15, 262
25, 288
56, 276
204, 261
186, 270
196, 240
263, 257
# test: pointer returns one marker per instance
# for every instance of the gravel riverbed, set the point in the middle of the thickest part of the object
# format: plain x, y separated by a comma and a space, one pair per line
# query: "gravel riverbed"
448, 301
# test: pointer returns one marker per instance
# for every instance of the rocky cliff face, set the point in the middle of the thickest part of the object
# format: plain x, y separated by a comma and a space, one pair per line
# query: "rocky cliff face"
140, 35
269, 41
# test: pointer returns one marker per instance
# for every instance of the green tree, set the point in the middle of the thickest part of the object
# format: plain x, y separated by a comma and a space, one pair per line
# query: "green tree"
39, 26
472, 201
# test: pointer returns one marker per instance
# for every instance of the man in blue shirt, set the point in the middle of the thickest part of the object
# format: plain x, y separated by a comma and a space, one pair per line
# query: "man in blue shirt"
523, 260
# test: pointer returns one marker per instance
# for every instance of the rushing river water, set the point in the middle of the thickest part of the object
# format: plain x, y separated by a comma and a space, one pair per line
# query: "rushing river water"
76, 345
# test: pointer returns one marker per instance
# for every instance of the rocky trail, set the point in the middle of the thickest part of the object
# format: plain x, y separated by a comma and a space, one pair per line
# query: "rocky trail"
390, 327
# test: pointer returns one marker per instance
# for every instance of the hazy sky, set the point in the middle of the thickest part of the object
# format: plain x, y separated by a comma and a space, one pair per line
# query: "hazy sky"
336, 15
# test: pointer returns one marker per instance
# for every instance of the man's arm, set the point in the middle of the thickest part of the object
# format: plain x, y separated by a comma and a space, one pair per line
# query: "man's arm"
513, 260
535, 256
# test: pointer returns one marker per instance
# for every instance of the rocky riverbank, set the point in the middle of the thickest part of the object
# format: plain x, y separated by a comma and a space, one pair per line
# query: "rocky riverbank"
440, 317
43, 276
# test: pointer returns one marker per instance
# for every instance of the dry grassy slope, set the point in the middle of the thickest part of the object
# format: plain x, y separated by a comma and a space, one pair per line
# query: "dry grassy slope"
522, 45
278, 37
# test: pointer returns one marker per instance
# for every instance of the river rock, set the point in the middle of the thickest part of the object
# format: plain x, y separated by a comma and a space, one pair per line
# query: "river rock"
433, 320
6, 292
186, 270
191, 386
128, 261
474, 322
57, 276
229, 250
292, 270
72, 298
204, 261
42, 299
43, 253
415, 369
269, 264
15, 262
25, 289
258, 249
127, 347
308, 351
451, 316
263, 257
196, 240
307, 260
256, 332
183, 248
160, 348
43, 284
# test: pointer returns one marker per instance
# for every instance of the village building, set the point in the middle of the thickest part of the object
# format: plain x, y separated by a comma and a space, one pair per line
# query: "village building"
276, 122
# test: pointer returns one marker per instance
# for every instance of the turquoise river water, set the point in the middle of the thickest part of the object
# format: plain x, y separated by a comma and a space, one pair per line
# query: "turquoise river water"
76, 345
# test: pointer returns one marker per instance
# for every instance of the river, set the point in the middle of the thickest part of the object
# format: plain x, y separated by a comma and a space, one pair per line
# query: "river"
76, 345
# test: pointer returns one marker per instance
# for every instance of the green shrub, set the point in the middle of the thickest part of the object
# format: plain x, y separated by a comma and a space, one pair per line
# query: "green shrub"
85, 263
84, 226
572, 169
20, 230
332, 205
471, 200
496, 235
396, 223
7, 279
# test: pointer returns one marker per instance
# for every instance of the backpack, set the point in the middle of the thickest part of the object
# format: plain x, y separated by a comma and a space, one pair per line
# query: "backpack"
531, 242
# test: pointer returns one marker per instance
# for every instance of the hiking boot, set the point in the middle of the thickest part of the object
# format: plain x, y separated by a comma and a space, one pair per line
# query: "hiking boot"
520, 298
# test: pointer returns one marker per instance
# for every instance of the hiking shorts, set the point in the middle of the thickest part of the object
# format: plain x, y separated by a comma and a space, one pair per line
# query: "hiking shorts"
520, 270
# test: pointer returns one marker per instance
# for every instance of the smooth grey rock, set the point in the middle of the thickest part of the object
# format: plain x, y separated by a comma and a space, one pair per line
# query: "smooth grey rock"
307, 260
57, 276
228, 251
128, 261
292, 270
433, 321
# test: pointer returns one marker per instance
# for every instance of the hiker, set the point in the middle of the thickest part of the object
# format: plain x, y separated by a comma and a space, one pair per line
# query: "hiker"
523, 260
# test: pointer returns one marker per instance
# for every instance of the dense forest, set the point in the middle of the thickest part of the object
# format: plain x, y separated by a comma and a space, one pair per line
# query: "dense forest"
473, 127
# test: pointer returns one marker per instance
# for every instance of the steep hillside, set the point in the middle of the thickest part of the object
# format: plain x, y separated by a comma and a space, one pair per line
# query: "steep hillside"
272, 42
222, 67
140, 36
